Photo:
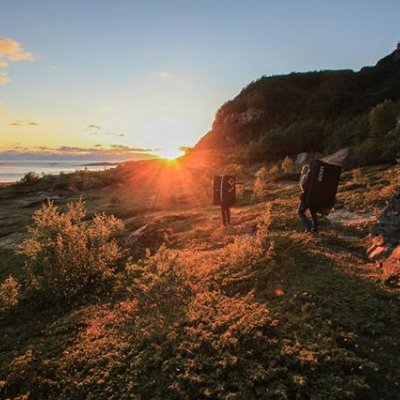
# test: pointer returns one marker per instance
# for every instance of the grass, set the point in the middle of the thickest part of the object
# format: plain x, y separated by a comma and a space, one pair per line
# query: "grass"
258, 311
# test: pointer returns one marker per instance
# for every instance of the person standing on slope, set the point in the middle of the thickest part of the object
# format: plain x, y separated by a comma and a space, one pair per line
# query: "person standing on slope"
311, 226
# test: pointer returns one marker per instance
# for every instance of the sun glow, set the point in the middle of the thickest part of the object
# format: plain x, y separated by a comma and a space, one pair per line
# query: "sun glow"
170, 153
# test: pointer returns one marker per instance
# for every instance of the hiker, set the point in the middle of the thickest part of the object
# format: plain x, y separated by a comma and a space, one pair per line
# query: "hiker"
311, 226
224, 196
225, 214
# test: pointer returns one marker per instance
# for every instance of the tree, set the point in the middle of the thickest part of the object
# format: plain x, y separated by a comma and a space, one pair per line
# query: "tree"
382, 119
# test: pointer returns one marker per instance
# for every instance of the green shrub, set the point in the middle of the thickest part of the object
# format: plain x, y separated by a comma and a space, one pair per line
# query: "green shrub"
29, 178
163, 285
287, 165
66, 257
357, 176
369, 152
260, 184
382, 119
8, 293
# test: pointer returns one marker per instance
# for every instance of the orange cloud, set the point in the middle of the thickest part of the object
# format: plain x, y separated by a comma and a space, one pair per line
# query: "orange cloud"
23, 123
12, 50
4, 78
163, 74
98, 152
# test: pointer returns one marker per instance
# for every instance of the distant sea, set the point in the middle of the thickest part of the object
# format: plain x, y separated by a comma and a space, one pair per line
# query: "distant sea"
12, 171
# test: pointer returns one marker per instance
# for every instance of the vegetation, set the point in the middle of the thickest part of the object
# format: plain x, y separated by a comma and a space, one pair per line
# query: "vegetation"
166, 304
8, 293
29, 178
68, 259
382, 119
260, 184
318, 112
287, 165
259, 310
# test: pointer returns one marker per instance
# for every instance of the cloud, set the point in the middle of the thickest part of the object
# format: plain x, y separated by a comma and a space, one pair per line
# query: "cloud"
95, 129
93, 126
97, 152
114, 134
163, 74
120, 147
4, 78
106, 109
11, 51
24, 123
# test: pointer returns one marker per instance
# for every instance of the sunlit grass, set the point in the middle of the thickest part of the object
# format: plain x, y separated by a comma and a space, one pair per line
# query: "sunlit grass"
259, 310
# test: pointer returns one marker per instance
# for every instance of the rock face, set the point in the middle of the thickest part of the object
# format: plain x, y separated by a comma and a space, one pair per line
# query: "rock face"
388, 224
391, 268
303, 158
385, 244
244, 117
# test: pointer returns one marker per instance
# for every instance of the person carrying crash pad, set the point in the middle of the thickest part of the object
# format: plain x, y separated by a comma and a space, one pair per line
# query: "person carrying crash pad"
319, 183
311, 226
225, 195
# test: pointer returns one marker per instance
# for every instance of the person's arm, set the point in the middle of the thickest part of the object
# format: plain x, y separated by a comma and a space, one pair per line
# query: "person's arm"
303, 182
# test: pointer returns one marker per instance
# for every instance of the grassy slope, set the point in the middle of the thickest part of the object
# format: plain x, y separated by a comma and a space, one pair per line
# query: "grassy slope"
318, 323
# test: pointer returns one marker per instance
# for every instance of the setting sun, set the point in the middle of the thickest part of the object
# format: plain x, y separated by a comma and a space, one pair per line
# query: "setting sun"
170, 153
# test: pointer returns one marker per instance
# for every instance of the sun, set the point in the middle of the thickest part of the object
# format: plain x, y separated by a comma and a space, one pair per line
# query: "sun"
170, 153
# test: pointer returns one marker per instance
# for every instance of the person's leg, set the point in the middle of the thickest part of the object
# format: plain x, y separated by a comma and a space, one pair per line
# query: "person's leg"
223, 215
301, 213
314, 217
228, 215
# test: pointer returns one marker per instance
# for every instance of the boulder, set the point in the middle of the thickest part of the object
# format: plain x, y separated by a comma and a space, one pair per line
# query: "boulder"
379, 253
391, 268
136, 235
303, 158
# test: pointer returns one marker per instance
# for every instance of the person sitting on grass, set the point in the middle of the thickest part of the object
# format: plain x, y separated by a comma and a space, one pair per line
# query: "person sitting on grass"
311, 226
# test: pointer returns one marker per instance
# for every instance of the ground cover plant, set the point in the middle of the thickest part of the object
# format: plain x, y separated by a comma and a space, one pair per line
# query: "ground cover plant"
256, 311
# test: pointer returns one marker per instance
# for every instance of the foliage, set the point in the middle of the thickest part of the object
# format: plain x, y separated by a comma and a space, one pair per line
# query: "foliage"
287, 165
163, 284
374, 151
9, 291
67, 258
261, 311
260, 184
382, 119
357, 176
29, 178
309, 112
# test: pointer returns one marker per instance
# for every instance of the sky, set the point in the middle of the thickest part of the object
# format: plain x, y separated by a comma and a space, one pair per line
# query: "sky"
130, 78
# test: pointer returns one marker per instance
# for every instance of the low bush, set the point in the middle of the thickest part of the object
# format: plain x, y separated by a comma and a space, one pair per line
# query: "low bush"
9, 290
66, 257
287, 165
29, 178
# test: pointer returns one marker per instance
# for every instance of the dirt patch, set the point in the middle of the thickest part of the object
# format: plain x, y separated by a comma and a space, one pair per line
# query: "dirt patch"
12, 241
348, 218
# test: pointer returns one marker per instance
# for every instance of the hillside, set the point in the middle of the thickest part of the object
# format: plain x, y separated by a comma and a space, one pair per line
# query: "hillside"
316, 112
256, 311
